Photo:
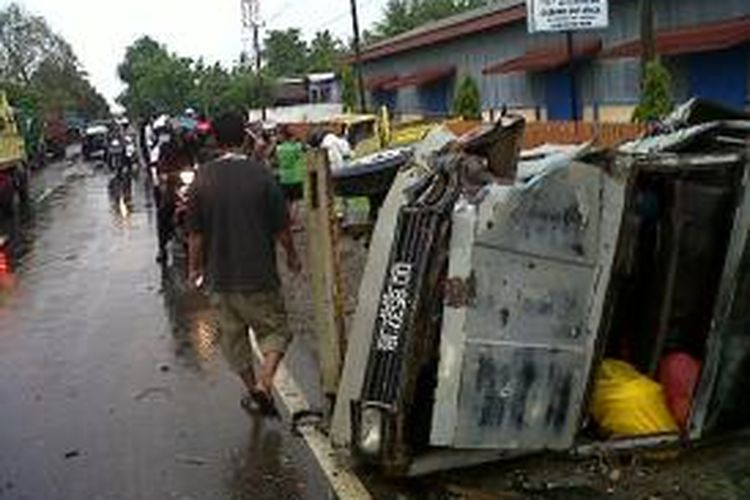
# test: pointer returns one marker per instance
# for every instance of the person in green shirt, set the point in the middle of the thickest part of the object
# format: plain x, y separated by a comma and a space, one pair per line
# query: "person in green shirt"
290, 158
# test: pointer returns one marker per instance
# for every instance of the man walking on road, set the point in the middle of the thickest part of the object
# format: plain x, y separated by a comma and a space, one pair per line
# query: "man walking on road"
237, 214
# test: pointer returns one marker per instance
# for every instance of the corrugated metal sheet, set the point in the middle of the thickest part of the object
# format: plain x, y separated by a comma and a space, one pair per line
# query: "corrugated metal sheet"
377, 82
421, 77
470, 23
600, 81
704, 37
547, 59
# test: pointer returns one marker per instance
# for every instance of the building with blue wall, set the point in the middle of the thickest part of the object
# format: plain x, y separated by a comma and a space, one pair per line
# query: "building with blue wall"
705, 44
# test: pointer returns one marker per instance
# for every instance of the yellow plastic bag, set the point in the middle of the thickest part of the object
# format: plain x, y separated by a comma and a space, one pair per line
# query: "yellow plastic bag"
625, 403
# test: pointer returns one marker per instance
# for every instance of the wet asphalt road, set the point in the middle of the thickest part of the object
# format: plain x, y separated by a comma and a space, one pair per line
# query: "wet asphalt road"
111, 385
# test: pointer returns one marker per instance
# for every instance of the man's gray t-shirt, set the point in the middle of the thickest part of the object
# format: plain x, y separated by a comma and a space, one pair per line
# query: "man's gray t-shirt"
239, 209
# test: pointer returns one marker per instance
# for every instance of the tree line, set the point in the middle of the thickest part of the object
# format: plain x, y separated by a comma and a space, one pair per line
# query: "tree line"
39, 71
400, 16
159, 81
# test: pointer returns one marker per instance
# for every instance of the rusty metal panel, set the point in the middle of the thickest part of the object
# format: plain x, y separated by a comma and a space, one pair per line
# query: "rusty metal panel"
728, 339
528, 300
520, 394
516, 354
555, 217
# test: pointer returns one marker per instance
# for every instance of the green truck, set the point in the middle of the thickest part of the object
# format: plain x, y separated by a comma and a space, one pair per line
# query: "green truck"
14, 175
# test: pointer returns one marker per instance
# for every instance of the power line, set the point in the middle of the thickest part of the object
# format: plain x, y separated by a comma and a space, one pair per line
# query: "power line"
343, 15
279, 12
331, 21
327, 23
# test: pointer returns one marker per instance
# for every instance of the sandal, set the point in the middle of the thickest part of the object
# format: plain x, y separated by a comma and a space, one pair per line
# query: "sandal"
250, 405
261, 402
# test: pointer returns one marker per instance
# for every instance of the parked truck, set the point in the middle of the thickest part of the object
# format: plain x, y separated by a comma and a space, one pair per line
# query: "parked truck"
56, 137
13, 165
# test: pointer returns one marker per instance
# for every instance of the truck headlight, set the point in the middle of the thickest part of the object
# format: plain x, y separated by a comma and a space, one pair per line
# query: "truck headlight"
372, 422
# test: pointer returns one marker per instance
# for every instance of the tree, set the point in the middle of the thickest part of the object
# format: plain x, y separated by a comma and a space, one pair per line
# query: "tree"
656, 96
40, 71
157, 80
246, 90
349, 90
138, 56
286, 53
325, 52
60, 89
211, 83
397, 18
400, 16
26, 41
468, 102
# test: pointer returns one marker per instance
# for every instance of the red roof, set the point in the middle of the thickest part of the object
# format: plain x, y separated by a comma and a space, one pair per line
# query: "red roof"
547, 59
699, 38
376, 82
443, 31
420, 77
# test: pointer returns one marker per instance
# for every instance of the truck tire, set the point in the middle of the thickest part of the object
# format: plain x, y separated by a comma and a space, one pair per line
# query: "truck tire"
7, 192
22, 186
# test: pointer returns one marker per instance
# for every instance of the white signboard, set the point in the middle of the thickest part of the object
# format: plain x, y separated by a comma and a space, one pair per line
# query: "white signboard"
567, 15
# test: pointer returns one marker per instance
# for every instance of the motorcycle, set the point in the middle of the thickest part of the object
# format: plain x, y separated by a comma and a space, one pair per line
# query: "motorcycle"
182, 200
175, 188
131, 155
116, 156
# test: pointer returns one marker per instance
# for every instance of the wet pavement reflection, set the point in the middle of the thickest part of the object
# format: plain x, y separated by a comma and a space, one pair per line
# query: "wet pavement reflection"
111, 383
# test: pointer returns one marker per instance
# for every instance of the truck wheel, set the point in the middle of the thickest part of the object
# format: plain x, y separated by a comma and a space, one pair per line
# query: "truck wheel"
8, 191
22, 185
23, 190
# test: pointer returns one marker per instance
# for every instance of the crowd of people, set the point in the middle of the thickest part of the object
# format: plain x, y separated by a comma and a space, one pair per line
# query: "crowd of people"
241, 202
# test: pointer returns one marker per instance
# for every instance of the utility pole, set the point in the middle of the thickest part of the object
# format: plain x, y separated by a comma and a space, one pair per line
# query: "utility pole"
572, 72
358, 58
251, 23
259, 72
648, 41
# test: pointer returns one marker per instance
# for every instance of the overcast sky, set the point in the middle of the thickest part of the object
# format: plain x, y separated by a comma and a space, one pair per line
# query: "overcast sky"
101, 30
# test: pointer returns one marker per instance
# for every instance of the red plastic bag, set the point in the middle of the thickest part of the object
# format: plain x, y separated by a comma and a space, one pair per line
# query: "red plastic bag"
679, 373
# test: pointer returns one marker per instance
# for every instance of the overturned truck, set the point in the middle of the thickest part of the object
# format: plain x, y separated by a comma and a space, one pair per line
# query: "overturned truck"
492, 299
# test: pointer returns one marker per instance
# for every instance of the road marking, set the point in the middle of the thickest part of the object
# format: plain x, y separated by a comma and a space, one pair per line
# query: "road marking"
343, 481
46, 194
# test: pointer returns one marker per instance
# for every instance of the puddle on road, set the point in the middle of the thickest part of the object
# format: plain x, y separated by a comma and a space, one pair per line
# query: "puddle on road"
19, 231
268, 467
18, 235
122, 206
191, 319
266, 461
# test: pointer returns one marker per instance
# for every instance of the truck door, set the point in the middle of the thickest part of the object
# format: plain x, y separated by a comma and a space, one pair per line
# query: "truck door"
719, 399
517, 346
